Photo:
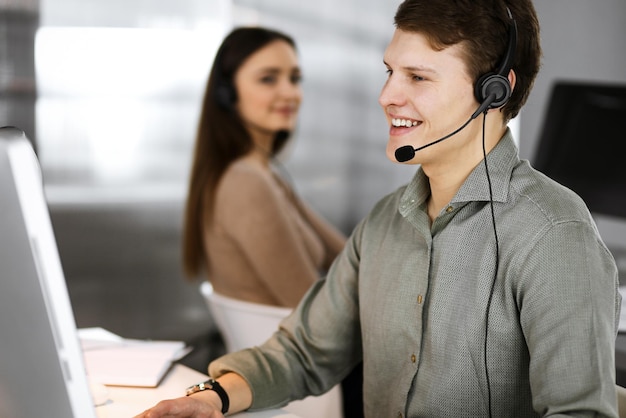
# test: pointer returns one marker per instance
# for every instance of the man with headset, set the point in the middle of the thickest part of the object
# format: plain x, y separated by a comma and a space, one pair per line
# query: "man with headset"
482, 288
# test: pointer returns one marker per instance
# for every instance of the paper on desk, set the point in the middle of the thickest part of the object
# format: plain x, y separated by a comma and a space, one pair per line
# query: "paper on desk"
116, 361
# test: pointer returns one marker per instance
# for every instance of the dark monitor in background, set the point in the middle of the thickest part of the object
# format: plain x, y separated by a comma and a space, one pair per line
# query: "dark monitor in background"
42, 372
581, 142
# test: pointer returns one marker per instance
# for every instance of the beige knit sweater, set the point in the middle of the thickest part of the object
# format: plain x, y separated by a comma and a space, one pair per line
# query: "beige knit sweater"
265, 245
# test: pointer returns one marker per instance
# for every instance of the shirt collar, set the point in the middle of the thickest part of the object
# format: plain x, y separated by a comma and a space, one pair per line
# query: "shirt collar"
500, 161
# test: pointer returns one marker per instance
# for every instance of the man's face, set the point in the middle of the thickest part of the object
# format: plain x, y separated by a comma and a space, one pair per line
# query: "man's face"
428, 94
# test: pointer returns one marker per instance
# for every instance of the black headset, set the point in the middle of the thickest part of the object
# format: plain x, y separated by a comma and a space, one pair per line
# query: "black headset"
225, 95
497, 83
493, 90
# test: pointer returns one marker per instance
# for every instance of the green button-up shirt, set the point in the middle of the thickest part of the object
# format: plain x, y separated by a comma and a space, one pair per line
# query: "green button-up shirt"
413, 301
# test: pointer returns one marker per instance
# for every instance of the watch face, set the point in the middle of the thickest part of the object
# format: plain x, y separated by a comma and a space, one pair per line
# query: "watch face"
211, 384
199, 387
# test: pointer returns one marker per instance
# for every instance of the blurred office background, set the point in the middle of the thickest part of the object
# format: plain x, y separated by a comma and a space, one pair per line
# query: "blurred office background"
109, 92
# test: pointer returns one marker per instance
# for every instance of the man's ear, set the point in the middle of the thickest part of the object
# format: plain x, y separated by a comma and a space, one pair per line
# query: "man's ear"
512, 79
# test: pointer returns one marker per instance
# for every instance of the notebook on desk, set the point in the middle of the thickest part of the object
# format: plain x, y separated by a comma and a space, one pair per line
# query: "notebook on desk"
42, 373
115, 361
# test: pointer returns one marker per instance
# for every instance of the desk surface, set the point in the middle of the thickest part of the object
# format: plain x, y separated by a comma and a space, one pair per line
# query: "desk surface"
126, 402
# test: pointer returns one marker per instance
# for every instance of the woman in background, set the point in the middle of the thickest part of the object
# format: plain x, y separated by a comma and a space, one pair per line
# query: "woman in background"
244, 225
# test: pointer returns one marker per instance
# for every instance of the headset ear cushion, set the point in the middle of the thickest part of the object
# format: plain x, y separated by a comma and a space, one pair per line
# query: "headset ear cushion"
492, 83
225, 97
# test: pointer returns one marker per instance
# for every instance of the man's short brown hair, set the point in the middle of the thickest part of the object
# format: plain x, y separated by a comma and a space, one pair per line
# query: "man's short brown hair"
482, 28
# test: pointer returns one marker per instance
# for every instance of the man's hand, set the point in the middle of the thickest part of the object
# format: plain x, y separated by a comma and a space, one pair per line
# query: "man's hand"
184, 407
206, 403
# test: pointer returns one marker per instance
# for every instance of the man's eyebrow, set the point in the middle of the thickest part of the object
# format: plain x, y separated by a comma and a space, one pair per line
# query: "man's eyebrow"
411, 68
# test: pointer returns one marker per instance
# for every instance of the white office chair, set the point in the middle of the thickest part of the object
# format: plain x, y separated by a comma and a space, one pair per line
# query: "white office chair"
245, 324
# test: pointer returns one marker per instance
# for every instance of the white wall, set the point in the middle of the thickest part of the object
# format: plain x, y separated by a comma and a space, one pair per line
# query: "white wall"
582, 40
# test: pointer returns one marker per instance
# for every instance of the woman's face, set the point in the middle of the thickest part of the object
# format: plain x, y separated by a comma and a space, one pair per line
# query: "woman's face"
268, 89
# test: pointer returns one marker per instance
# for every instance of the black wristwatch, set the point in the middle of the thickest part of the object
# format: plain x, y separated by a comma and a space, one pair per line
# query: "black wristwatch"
213, 385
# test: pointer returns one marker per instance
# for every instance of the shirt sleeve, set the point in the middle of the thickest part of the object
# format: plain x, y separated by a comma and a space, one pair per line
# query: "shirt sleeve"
569, 307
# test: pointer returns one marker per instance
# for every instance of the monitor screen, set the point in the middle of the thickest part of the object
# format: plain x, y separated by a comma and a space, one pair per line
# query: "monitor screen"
581, 143
42, 371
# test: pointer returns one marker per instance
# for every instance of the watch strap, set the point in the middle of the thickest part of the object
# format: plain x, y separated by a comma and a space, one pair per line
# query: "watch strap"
213, 385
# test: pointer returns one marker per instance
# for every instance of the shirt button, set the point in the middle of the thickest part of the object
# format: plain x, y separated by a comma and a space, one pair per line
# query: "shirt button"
413, 358
419, 299
449, 209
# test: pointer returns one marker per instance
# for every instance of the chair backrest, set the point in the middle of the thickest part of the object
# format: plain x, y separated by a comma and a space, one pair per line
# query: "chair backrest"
242, 324
246, 324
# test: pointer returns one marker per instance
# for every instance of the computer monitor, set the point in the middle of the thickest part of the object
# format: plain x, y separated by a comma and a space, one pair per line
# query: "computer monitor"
42, 371
581, 143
